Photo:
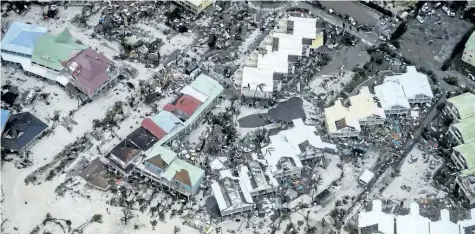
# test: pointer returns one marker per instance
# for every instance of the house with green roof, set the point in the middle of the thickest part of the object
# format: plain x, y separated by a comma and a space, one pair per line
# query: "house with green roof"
461, 106
463, 131
468, 55
164, 167
52, 51
464, 158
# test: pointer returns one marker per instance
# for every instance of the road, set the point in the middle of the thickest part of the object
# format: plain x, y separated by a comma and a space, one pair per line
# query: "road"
361, 13
367, 38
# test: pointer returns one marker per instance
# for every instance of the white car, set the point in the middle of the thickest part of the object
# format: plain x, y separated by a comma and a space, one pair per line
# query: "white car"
382, 38
352, 21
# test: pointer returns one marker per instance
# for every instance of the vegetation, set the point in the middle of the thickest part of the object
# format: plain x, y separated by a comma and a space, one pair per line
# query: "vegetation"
451, 80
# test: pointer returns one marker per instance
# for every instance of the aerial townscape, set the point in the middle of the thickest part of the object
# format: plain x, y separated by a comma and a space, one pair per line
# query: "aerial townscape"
237, 117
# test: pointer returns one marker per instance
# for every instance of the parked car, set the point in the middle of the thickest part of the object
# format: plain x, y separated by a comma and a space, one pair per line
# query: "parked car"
432, 164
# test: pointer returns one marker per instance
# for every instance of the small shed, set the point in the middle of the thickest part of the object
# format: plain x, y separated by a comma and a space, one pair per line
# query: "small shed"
366, 177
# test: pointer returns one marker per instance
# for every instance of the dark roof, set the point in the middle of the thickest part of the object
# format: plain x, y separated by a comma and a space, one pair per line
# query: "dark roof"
126, 150
372, 229
142, 138
125, 170
158, 162
303, 146
94, 174
341, 123
20, 130
469, 230
187, 105
90, 69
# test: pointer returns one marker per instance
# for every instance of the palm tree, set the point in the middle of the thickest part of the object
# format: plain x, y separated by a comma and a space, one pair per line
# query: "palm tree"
97, 218
260, 87
269, 150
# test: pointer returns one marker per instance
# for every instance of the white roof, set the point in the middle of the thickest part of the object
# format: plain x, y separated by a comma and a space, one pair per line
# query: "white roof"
338, 112
384, 221
25, 62
363, 105
195, 2
252, 77
413, 83
194, 93
233, 192
289, 44
259, 175
391, 94
275, 61
444, 225
305, 27
367, 176
277, 150
412, 223
301, 133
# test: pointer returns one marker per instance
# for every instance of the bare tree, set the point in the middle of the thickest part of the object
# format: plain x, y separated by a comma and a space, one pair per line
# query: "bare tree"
97, 218
127, 215
176, 230
153, 223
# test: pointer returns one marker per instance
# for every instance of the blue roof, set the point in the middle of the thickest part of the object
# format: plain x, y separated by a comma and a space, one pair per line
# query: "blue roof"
21, 37
4, 118
166, 121
20, 130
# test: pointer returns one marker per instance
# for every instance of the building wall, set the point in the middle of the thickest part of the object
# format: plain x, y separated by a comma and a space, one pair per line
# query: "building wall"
451, 110
345, 132
371, 120
257, 94
293, 172
469, 57
467, 188
419, 99
16, 53
459, 160
397, 110
454, 132
153, 168
244, 208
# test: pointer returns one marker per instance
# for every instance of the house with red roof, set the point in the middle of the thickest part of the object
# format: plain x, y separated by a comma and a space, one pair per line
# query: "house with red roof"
90, 72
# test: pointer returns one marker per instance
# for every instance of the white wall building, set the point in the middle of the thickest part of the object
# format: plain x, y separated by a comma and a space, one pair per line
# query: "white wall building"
257, 180
304, 140
257, 83
376, 220
340, 123
413, 223
231, 194
366, 109
416, 85
392, 98
282, 158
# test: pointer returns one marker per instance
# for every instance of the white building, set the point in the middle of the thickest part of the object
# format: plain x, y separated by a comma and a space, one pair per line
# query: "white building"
469, 50
282, 158
366, 109
444, 225
257, 83
257, 180
340, 123
195, 6
413, 223
291, 45
304, 140
376, 221
463, 131
231, 194
392, 99
415, 85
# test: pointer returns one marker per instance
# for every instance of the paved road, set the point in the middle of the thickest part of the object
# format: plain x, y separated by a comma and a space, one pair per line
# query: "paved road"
361, 13
367, 38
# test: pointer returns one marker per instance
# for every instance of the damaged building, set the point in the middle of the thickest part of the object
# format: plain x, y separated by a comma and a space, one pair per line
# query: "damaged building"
304, 140
392, 98
146, 153
377, 221
469, 50
162, 165
257, 180
462, 131
231, 194
282, 158
416, 85
90, 72
461, 106
265, 69
365, 109
195, 6
20, 132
